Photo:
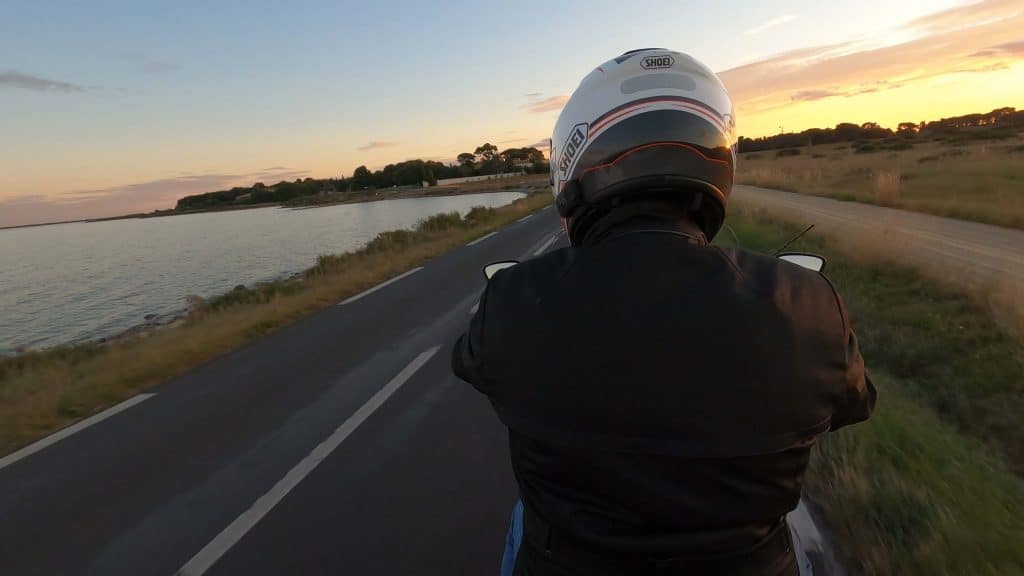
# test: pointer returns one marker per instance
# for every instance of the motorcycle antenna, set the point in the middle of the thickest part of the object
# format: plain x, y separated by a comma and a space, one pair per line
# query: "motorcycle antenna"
793, 239
735, 238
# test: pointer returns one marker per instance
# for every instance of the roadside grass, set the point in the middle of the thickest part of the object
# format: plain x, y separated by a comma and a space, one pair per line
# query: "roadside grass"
43, 391
967, 178
934, 482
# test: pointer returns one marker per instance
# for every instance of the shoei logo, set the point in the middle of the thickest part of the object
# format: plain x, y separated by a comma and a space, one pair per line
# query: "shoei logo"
573, 145
661, 61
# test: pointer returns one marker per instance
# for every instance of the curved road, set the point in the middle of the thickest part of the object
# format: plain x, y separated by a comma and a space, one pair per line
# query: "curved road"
961, 250
341, 443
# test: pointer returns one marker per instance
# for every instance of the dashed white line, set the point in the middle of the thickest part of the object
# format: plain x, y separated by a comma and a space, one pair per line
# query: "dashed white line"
546, 245
77, 427
482, 238
474, 308
230, 536
379, 286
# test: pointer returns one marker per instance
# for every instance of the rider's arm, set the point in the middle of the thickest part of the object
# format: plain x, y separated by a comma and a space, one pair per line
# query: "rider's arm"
467, 354
858, 396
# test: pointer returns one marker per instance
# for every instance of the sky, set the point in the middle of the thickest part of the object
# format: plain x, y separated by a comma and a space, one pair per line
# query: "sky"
116, 107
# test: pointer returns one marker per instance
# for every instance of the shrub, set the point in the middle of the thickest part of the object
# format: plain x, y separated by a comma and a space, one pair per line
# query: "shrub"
887, 188
924, 159
441, 222
865, 148
787, 152
481, 214
817, 155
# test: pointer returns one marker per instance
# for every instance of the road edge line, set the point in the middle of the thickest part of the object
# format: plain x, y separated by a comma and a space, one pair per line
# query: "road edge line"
384, 284
63, 433
482, 238
234, 532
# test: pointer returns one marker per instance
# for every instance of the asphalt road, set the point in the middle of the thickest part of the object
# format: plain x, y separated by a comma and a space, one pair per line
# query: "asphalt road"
339, 444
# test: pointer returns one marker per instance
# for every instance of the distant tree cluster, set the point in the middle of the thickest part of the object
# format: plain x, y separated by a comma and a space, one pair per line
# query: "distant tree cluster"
486, 160
1002, 119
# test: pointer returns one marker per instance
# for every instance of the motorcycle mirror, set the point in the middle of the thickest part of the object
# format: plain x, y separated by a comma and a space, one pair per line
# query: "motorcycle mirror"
809, 261
493, 268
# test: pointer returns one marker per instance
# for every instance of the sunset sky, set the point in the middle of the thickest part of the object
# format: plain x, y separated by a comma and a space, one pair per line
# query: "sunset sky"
115, 107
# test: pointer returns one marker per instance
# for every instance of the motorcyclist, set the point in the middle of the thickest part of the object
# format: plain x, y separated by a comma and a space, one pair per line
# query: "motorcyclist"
662, 395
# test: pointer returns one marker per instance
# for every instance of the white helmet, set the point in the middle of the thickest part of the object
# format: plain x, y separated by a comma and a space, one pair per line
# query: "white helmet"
647, 123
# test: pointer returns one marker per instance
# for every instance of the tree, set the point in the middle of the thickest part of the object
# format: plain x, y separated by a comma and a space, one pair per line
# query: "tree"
487, 151
466, 159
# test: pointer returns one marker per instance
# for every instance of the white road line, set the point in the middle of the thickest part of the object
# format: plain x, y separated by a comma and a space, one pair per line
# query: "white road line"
525, 218
482, 238
474, 308
230, 536
379, 286
76, 427
545, 245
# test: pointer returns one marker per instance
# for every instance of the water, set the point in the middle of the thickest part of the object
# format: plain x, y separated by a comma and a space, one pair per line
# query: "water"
73, 282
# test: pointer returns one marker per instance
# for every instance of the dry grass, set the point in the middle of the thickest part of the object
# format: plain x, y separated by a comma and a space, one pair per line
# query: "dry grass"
972, 180
928, 485
41, 392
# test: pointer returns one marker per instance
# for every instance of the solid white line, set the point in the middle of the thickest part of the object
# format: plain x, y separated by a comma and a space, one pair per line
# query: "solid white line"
546, 245
525, 218
379, 286
230, 536
474, 309
482, 238
76, 427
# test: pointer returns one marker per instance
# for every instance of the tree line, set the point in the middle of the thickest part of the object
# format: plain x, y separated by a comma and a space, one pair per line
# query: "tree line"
485, 160
1007, 120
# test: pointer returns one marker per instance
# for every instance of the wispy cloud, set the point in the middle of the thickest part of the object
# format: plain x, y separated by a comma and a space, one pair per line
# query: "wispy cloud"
131, 198
147, 63
547, 104
534, 94
374, 144
16, 80
940, 46
770, 24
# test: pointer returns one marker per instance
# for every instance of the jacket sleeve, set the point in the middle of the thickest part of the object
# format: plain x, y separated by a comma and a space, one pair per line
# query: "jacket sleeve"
857, 399
467, 356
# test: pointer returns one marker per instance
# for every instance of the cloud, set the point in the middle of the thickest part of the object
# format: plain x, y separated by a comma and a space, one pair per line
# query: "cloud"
14, 79
374, 144
939, 46
512, 141
547, 104
132, 198
534, 94
1009, 48
148, 64
770, 24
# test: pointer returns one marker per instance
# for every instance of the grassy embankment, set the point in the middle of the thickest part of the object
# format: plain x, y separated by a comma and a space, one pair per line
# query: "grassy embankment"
934, 482
43, 391
962, 176
354, 196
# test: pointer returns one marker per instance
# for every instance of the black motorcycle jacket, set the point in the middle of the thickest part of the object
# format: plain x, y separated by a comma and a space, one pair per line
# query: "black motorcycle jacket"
662, 397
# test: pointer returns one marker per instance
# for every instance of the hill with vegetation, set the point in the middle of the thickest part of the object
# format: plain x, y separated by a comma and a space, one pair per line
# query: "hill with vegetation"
1001, 123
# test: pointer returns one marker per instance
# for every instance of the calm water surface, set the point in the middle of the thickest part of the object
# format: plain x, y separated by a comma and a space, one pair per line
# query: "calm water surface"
73, 282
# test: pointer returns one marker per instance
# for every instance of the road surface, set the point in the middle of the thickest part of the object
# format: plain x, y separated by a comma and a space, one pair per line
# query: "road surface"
339, 444
962, 250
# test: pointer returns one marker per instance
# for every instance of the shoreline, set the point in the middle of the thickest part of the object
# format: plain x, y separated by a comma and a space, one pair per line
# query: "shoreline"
450, 190
154, 322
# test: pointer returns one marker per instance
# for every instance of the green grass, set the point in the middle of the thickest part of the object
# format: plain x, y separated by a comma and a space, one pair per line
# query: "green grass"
41, 392
964, 177
928, 486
